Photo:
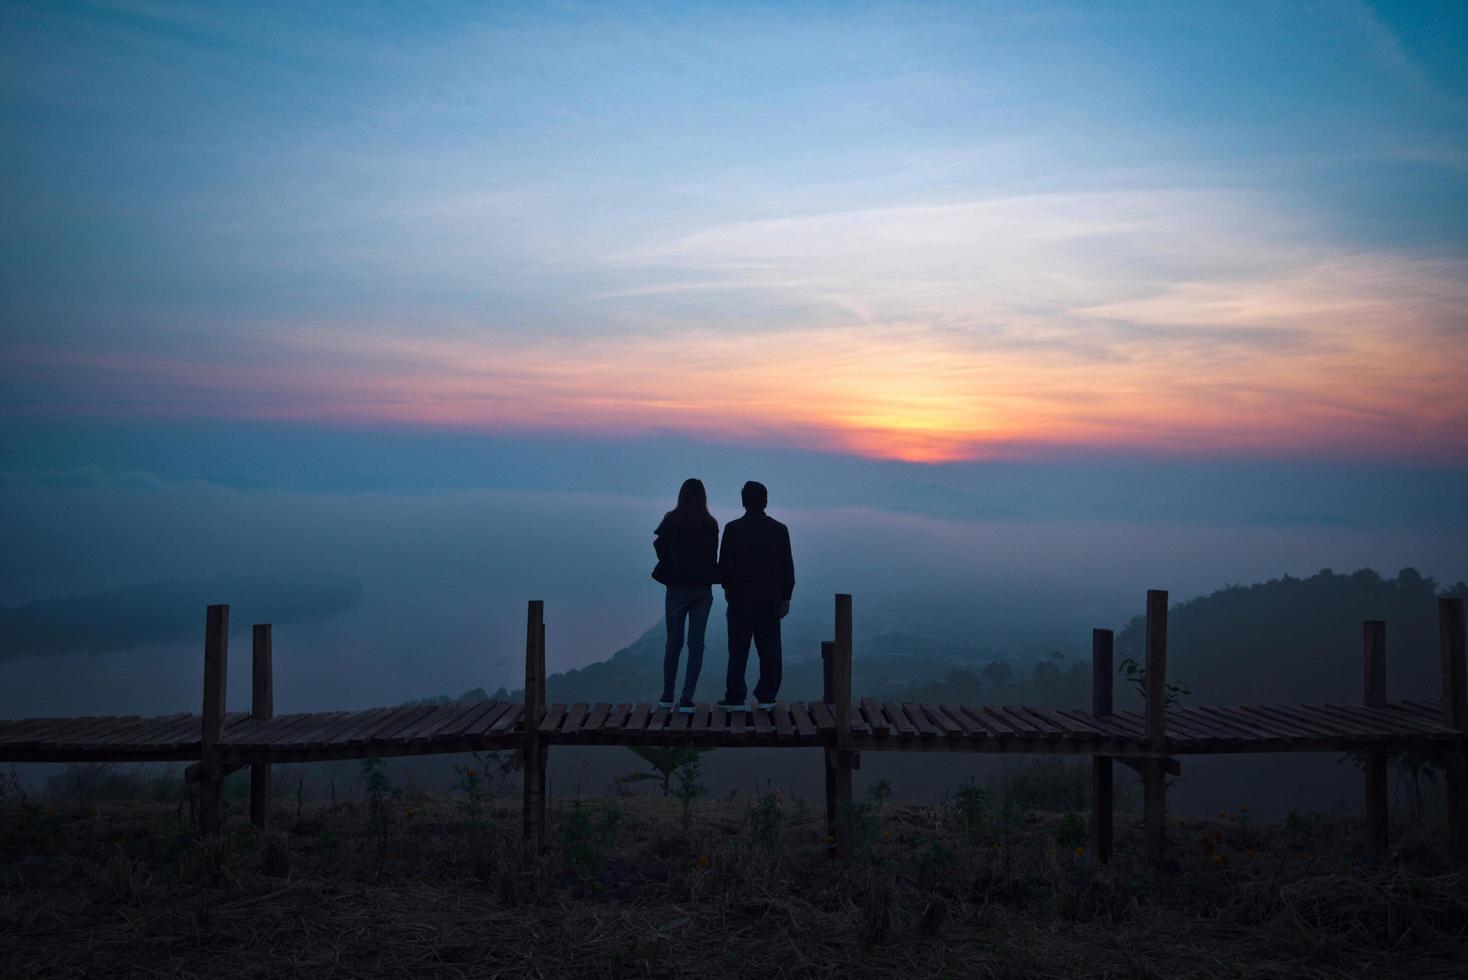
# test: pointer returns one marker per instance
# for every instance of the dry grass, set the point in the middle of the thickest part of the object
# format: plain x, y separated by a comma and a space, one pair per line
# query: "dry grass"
124, 889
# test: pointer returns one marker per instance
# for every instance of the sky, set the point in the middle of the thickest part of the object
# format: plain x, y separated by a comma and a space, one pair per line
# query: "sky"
424, 310
915, 232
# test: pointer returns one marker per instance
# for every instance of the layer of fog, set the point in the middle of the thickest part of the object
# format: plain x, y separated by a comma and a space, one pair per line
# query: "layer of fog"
444, 577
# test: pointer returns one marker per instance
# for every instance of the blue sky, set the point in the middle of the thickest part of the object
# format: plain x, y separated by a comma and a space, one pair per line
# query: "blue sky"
913, 231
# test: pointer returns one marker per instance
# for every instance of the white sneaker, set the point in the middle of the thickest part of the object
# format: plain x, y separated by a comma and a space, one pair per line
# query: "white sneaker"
766, 705
733, 706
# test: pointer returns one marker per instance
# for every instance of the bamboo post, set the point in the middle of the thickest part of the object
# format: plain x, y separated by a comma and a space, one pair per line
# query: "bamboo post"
1101, 704
216, 675
531, 749
1154, 790
262, 707
828, 695
1373, 636
1455, 715
845, 761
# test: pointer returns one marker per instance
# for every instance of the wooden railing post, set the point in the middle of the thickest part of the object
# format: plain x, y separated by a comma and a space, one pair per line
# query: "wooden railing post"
1101, 704
1455, 715
843, 762
828, 695
1154, 788
1373, 637
216, 675
532, 751
262, 706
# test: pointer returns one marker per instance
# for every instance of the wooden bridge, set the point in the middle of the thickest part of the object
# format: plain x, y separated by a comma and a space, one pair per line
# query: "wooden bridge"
1150, 740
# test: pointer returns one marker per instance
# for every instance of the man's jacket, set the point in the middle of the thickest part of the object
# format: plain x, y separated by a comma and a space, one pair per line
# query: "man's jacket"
755, 564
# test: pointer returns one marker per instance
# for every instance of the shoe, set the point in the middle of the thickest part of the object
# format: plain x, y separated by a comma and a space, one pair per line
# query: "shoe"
733, 705
666, 704
765, 705
685, 705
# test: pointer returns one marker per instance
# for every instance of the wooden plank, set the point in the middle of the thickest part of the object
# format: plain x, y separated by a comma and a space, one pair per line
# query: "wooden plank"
941, 721
718, 723
367, 722
637, 719
332, 733
465, 723
314, 732
678, 724
117, 736
657, 721
575, 716
616, 718
1287, 721
820, 713
1343, 722
1048, 727
901, 724
103, 730
509, 721
699, 726
550, 722
1131, 721
1199, 722
763, 729
805, 725
784, 727
1254, 725
1021, 726
738, 725
1388, 720
971, 727
872, 711
994, 726
389, 731
596, 718
920, 721
484, 722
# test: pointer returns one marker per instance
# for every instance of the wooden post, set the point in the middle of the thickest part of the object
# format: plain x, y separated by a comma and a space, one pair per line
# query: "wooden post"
531, 749
216, 675
1154, 788
1455, 715
1373, 636
262, 706
1101, 704
828, 695
844, 760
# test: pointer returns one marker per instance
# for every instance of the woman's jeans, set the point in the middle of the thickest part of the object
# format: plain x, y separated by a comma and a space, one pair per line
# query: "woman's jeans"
694, 602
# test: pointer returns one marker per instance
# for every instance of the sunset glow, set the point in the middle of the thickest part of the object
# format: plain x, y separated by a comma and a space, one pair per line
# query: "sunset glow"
1012, 274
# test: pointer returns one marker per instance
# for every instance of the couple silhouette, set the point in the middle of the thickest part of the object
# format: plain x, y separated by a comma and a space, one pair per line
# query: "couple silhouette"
755, 567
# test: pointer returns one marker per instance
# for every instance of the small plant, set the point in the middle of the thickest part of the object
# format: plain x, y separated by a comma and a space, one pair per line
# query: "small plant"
665, 761
879, 792
934, 864
863, 828
972, 806
1136, 675
380, 795
586, 838
765, 818
689, 788
1071, 831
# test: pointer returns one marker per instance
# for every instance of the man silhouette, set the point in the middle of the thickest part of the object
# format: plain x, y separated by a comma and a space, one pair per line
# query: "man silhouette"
758, 575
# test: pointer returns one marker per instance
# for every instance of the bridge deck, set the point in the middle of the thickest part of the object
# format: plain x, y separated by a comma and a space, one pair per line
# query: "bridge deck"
875, 726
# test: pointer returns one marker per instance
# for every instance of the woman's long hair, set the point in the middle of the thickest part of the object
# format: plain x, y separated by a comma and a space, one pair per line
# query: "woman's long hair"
693, 507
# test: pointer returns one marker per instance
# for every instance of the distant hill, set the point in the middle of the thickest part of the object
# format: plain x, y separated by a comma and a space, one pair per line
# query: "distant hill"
1288, 640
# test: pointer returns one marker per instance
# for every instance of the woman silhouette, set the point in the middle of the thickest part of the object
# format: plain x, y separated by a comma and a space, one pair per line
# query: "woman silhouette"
687, 545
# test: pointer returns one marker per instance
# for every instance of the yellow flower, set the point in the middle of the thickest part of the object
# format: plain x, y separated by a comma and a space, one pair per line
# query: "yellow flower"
1218, 859
1243, 809
703, 861
1250, 852
1080, 852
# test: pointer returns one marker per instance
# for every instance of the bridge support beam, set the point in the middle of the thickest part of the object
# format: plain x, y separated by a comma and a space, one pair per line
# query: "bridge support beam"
1455, 715
1154, 778
840, 759
1373, 637
262, 706
533, 754
1101, 767
216, 676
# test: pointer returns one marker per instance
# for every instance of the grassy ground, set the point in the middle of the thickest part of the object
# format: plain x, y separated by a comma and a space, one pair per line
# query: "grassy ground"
413, 884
